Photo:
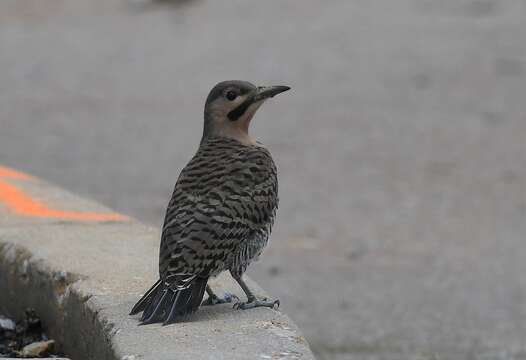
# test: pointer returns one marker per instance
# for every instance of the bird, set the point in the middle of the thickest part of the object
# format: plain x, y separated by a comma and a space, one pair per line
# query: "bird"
221, 212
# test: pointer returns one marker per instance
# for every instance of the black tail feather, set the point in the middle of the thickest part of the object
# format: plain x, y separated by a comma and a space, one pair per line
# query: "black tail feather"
152, 312
162, 304
146, 299
187, 301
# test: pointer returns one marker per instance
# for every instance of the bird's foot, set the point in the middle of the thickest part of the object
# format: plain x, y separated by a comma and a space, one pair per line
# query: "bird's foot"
214, 300
254, 303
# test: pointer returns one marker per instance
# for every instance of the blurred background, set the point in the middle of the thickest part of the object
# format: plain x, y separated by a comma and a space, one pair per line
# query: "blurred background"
401, 148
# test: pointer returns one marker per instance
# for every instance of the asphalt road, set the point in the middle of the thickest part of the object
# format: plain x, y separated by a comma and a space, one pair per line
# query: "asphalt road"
401, 148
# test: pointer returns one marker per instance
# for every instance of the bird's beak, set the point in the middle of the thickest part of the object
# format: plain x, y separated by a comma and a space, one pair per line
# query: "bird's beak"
260, 94
265, 92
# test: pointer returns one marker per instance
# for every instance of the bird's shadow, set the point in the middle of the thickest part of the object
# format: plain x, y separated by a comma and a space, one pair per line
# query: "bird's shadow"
218, 312
213, 312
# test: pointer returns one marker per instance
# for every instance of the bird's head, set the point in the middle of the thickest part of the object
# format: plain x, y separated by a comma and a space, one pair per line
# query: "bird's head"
231, 105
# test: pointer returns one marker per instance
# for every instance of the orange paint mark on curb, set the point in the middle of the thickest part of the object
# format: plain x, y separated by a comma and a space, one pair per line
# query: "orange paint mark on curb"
22, 204
10, 173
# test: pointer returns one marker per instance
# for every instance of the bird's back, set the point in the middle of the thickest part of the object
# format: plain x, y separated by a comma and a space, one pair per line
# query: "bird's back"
221, 212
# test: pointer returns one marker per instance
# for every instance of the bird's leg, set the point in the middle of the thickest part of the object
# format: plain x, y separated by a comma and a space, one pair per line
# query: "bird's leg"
213, 299
252, 300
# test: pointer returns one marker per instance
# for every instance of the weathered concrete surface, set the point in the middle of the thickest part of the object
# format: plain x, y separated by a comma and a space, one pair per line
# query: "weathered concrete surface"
83, 278
400, 149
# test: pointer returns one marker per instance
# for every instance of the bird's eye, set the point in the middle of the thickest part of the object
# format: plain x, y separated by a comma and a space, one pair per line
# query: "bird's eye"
231, 95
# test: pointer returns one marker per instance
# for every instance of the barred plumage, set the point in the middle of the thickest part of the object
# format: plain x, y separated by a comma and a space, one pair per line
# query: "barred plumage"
221, 212
222, 208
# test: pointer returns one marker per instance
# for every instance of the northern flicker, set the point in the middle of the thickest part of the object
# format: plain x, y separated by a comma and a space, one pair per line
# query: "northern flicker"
221, 212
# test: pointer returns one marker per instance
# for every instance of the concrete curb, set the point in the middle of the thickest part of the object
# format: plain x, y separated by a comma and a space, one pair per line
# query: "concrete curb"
83, 274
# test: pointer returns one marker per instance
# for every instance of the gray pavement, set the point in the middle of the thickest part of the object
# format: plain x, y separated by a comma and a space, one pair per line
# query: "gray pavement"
401, 150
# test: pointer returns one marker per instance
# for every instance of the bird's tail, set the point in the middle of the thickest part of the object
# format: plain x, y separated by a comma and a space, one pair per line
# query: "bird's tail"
162, 304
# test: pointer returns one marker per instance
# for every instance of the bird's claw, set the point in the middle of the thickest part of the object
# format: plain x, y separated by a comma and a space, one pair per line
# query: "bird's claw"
257, 303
